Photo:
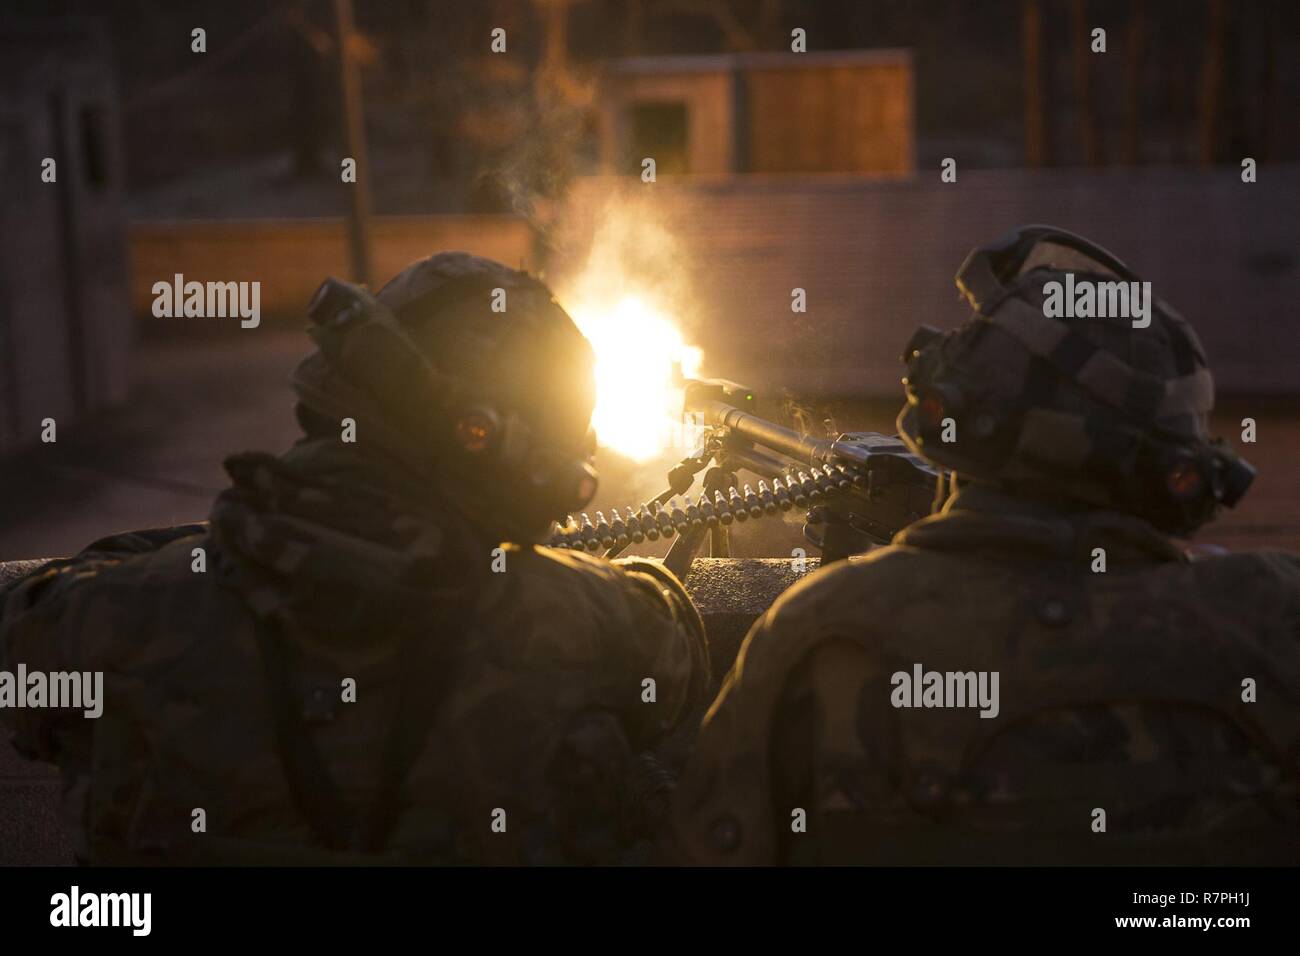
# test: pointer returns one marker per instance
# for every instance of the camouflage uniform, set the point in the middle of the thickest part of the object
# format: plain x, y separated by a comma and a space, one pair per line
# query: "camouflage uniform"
1119, 691
512, 698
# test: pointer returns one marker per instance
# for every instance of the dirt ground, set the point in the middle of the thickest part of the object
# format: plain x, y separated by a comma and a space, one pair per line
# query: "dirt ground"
157, 460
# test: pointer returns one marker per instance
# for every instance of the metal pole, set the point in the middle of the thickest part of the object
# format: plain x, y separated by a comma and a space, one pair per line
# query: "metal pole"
1212, 81
354, 129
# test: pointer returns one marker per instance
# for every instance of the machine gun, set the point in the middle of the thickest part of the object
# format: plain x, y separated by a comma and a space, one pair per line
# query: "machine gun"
859, 489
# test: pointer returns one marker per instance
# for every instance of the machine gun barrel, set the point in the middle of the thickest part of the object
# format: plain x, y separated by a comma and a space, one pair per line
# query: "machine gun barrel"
802, 448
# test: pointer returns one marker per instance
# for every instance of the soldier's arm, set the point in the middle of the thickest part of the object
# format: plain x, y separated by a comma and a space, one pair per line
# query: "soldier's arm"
756, 760
833, 752
722, 807
41, 631
667, 645
51, 620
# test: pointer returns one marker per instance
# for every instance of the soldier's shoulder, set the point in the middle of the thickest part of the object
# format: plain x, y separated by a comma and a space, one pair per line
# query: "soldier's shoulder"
579, 566
542, 575
116, 607
844, 599
110, 564
575, 567
624, 589
1267, 569
1247, 572
882, 577
1257, 584
173, 565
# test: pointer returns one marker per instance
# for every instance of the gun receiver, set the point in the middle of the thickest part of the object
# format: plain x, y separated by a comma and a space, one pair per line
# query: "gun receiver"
859, 488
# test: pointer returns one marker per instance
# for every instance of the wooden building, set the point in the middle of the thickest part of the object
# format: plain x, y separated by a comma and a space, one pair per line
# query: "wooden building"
842, 112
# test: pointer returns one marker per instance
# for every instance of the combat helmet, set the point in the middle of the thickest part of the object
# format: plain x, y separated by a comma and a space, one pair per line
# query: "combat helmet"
469, 373
1093, 411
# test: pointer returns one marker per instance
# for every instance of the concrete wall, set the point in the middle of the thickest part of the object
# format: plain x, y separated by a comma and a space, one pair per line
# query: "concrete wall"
877, 258
291, 257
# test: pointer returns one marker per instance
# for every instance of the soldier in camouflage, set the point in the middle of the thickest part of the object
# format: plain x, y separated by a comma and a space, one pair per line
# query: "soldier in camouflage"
1148, 699
365, 656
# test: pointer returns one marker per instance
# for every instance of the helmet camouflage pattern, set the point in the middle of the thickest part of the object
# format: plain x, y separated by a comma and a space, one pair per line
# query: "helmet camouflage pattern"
1106, 412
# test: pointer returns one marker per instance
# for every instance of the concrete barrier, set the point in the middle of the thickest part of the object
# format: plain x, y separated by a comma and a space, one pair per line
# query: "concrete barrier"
730, 593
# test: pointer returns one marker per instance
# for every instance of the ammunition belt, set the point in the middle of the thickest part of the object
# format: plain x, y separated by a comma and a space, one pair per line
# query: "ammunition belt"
679, 514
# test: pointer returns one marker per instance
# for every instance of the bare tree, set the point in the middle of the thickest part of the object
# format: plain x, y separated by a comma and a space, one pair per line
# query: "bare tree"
1133, 82
354, 128
769, 24
633, 15
1268, 85
1212, 74
736, 34
1031, 36
1083, 83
